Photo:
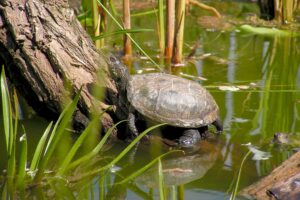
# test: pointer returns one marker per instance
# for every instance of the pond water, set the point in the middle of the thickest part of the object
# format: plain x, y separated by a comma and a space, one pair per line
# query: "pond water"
262, 98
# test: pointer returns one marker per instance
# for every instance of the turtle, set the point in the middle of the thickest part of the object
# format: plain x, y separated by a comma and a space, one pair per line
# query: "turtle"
165, 98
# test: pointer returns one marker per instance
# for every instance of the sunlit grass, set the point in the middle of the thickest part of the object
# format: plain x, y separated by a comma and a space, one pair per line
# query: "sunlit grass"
19, 178
10, 130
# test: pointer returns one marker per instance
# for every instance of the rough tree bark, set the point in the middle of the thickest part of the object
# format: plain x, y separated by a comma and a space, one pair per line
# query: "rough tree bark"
282, 183
49, 56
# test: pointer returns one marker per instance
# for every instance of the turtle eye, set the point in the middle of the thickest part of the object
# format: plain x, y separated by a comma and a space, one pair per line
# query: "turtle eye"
114, 60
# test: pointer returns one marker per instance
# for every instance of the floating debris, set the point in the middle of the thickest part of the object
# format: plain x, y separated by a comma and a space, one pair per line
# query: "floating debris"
236, 88
179, 65
228, 88
240, 120
243, 87
257, 154
141, 71
115, 169
144, 58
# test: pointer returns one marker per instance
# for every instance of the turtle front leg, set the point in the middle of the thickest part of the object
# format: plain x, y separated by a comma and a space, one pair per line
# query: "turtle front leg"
132, 126
189, 138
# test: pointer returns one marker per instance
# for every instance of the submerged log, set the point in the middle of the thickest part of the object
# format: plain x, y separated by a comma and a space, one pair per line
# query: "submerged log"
283, 183
48, 56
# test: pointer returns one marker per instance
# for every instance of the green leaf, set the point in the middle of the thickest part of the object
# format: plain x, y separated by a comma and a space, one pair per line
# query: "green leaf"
271, 32
235, 191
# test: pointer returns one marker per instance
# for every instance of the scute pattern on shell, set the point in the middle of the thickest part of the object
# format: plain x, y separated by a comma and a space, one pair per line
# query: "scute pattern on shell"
170, 99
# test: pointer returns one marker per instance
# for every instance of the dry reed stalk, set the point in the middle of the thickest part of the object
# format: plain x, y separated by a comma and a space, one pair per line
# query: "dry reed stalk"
206, 7
161, 26
96, 23
127, 25
170, 28
284, 10
179, 31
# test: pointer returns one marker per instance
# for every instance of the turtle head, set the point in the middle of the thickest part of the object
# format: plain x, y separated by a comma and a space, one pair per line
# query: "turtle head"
119, 73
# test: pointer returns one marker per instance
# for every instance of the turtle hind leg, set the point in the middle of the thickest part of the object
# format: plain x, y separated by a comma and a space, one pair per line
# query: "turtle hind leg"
218, 124
189, 138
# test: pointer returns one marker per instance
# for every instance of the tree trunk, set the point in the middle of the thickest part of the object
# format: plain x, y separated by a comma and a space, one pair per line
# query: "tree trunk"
280, 10
282, 183
49, 57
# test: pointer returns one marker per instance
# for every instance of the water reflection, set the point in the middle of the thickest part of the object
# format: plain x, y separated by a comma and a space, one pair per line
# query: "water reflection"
271, 67
183, 169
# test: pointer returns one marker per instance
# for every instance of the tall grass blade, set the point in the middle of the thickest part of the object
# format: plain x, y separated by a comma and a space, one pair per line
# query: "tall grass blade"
22, 163
56, 134
132, 144
122, 154
173, 191
16, 112
148, 12
10, 137
161, 181
112, 8
102, 186
96, 150
4, 194
180, 194
76, 146
146, 167
123, 31
235, 191
40, 147
6, 109
133, 41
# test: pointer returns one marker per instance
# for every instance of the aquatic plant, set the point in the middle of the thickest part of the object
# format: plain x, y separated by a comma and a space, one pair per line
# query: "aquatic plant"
19, 178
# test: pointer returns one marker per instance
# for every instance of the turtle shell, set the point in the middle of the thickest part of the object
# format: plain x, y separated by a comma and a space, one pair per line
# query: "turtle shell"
173, 100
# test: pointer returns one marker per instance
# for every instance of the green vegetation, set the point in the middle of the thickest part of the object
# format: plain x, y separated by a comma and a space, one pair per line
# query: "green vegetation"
260, 70
19, 178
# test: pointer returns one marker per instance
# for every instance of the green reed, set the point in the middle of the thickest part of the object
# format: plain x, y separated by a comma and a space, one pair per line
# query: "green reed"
10, 132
